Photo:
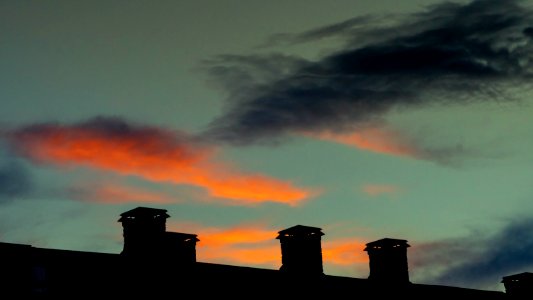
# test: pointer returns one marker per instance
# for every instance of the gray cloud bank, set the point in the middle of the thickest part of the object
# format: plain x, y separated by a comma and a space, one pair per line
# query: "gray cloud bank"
449, 54
479, 260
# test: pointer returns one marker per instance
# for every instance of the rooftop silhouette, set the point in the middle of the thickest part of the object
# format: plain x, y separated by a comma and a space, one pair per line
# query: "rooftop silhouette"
157, 263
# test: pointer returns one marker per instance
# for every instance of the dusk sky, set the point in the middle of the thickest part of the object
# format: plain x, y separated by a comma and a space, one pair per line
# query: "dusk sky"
369, 119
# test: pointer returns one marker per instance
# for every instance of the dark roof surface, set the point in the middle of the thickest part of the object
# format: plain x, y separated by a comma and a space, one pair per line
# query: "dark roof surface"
527, 276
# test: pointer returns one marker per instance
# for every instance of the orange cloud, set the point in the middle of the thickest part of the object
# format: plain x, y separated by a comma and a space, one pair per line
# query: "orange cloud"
345, 251
151, 153
379, 140
246, 244
375, 190
237, 235
254, 244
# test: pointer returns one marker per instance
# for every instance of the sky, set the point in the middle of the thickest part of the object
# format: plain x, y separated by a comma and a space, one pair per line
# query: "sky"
368, 119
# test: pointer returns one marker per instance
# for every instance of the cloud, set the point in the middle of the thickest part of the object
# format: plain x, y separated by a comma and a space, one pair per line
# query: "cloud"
256, 244
375, 190
244, 244
377, 140
117, 194
154, 154
344, 252
479, 260
15, 181
449, 54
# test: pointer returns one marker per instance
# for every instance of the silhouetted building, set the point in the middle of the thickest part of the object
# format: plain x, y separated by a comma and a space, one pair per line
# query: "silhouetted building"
388, 261
156, 263
301, 250
519, 285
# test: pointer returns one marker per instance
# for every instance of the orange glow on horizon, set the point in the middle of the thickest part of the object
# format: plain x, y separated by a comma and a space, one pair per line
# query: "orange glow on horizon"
237, 235
344, 252
243, 244
155, 155
257, 245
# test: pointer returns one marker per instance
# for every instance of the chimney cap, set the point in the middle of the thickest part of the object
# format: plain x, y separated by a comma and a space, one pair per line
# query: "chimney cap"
300, 230
387, 243
526, 276
182, 236
143, 212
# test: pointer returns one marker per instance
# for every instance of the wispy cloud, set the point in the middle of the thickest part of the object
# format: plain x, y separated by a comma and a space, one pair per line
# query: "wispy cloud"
373, 139
154, 154
375, 190
449, 54
479, 260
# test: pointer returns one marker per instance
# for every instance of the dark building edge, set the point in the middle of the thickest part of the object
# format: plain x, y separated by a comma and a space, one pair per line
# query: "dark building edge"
164, 263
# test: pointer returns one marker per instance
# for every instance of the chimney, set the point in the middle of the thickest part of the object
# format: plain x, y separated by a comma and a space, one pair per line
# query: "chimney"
519, 286
301, 251
143, 231
388, 261
180, 247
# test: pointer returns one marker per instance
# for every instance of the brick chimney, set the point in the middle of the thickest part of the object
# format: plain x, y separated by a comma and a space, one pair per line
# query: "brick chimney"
388, 261
301, 250
519, 286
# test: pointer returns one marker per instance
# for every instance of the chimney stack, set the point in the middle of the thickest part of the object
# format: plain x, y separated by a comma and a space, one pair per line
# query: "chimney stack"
301, 250
519, 286
143, 230
180, 247
145, 236
388, 261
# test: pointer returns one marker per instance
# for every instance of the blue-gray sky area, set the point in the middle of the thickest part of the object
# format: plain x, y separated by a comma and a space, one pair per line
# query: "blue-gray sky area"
368, 119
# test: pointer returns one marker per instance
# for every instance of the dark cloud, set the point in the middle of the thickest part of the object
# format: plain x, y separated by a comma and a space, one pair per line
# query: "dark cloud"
356, 26
15, 181
480, 260
449, 54
109, 127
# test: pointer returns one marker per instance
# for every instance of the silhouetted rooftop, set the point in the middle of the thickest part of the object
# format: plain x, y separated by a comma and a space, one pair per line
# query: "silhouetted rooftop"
388, 243
143, 212
300, 230
526, 276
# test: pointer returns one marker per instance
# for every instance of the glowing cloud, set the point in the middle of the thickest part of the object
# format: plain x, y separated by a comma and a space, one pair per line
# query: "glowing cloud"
344, 252
255, 244
151, 153
373, 139
245, 244
375, 190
